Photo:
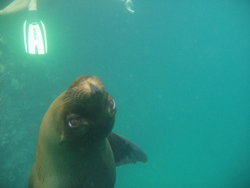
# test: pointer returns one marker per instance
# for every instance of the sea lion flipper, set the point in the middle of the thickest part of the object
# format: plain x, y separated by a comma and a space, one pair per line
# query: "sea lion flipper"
125, 151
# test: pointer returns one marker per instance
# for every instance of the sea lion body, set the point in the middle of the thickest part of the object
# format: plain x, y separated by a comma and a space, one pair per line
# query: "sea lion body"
74, 145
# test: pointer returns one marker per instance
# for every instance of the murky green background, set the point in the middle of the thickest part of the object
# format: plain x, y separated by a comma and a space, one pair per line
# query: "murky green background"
179, 71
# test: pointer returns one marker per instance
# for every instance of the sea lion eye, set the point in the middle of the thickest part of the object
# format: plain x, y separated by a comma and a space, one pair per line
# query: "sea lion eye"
74, 123
111, 106
112, 103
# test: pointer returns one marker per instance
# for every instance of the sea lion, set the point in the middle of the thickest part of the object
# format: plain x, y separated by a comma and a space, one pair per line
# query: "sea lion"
76, 148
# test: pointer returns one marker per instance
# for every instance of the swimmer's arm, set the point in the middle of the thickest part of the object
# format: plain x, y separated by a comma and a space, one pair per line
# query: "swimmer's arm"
15, 6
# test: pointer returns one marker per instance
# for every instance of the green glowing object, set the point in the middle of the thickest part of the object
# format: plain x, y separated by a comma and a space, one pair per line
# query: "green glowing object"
35, 40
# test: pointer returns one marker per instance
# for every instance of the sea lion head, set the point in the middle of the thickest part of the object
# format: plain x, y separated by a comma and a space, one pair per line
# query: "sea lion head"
85, 112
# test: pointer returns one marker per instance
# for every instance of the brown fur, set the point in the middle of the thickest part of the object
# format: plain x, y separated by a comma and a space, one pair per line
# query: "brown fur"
78, 157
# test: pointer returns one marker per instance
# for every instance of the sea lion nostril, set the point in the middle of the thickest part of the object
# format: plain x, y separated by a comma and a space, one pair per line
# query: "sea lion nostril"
94, 89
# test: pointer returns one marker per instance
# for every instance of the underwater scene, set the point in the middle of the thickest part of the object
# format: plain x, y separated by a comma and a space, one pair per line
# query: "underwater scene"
178, 71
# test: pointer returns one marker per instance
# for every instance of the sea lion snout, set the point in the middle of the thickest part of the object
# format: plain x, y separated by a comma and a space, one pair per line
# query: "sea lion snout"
88, 83
85, 88
90, 86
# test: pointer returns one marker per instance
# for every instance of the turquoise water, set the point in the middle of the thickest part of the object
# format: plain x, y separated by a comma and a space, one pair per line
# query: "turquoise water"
179, 71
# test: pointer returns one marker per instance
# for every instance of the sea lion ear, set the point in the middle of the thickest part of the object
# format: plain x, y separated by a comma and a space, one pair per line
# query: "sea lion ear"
125, 151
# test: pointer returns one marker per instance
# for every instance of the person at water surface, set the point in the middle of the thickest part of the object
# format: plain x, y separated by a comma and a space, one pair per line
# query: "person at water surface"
31, 5
19, 5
